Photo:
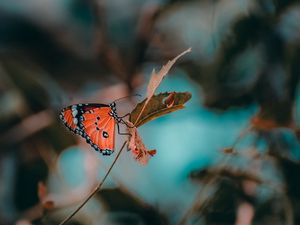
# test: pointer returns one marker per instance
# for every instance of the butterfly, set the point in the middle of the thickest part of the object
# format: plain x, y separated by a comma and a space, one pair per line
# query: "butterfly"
94, 122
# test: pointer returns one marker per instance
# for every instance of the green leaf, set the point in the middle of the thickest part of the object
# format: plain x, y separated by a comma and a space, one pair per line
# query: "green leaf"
159, 105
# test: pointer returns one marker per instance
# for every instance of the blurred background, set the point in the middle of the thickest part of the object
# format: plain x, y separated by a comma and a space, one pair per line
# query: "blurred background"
230, 157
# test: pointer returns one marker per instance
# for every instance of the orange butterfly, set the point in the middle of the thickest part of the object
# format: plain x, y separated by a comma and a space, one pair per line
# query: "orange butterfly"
94, 122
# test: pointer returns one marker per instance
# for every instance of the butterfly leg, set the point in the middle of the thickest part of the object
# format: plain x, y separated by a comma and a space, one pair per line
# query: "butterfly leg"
119, 132
128, 114
122, 121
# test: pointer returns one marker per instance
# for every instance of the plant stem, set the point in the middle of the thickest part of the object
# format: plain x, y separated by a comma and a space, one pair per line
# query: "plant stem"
96, 189
241, 135
199, 202
199, 199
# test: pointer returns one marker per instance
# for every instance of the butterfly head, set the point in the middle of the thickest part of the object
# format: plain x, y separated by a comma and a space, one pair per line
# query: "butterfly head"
113, 106
114, 113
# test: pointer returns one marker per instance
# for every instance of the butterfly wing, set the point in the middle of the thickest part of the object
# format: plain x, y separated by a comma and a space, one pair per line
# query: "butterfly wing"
93, 122
99, 128
70, 117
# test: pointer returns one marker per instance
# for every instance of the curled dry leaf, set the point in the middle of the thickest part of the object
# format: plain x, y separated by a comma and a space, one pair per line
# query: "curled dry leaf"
137, 146
156, 79
158, 105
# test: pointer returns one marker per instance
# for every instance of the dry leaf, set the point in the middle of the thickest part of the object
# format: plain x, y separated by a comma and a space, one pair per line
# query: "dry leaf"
156, 79
48, 204
42, 191
137, 147
159, 105
42, 194
263, 124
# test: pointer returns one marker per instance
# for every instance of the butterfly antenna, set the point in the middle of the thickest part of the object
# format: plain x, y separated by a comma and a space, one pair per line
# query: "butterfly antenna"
127, 97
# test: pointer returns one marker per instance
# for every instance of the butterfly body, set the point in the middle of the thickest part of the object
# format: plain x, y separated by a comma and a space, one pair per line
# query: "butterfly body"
94, 122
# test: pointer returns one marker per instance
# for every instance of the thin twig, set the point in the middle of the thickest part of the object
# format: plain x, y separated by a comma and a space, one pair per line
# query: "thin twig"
96, 189
241, 135
198, 202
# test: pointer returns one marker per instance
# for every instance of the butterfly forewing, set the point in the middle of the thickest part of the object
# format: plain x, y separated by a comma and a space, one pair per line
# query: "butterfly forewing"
70, 117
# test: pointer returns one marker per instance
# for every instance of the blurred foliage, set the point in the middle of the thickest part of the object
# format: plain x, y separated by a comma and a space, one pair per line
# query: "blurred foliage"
244, 52
118, 201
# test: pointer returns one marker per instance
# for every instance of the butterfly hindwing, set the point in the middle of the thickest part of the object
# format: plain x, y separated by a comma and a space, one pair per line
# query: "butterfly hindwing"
99, 127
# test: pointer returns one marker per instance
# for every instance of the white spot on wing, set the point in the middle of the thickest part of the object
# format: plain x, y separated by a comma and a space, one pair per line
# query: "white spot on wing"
74, 112
75, 120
